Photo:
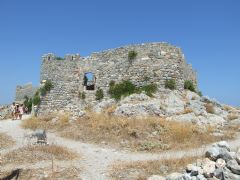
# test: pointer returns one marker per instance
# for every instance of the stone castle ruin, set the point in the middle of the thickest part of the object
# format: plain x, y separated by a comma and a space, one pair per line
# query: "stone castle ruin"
73, 74
26, 90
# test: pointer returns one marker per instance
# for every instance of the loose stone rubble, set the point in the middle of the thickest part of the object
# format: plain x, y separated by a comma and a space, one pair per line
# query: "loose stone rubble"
219, 163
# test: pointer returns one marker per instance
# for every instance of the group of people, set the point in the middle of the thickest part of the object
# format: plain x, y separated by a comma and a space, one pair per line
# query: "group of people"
17, 111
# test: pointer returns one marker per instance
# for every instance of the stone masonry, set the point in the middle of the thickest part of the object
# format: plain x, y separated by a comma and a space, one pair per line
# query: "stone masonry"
154, 63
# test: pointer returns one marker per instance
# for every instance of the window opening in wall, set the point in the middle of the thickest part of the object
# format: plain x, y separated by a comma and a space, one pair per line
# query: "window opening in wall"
89, 81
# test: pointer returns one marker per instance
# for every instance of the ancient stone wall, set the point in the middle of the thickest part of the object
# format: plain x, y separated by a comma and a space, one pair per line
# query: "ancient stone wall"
154, 63
25, 90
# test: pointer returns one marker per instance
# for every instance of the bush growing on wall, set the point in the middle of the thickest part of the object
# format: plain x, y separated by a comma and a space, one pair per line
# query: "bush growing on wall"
82, 95
131, 56
149, 89
59, 58
46, 88
189, 85
123, 88
99, 94
126, 88
28, 103
36, 99
170, 84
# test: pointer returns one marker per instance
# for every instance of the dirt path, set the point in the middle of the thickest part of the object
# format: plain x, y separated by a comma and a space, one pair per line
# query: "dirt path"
95, 160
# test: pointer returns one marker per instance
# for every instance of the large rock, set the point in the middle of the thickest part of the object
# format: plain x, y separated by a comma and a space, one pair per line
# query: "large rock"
215, 153
173, 103
103, 105
151, 108
220, 163
208, 168
135, 98
222, 144
192, 96
237, 155
197, 107
190, 117
233, 166
215, 119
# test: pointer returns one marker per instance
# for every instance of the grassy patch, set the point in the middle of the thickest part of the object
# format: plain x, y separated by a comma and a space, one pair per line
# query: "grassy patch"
150, 134
46, 122
144, 169
47, 173
33, 154
6, 141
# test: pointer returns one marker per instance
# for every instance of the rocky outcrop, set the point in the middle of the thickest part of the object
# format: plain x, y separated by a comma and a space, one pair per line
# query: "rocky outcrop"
172, 105
219, 163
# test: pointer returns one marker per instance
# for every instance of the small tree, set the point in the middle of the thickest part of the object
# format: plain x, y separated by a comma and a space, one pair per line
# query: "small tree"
131, 56
189, 85
36, 99
170, 84
28, 103
82, 95
48, 85
59, 58
99, 94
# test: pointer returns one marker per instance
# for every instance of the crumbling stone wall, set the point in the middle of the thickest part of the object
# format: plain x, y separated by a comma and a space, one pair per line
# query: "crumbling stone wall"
25, 90
154, 63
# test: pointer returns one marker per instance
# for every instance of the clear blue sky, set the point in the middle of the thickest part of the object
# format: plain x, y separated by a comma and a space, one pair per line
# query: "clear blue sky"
208, 31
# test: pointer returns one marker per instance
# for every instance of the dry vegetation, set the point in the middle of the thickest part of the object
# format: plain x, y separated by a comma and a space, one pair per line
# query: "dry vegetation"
150, 134
46, 122
141, 170
6, 141
47, 173
33, 154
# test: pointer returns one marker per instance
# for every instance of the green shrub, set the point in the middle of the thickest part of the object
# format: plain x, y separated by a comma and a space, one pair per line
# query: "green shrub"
99, 94
43, 91
149, 89
48, 85
189, 85
124, 88
82, 95
112, 83
28, 103
200, 93
36, 99
46, 88
170, 84
146, 78
59, 58
131, 56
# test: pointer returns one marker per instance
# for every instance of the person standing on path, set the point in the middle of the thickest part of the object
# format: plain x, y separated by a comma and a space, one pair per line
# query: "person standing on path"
12, 108
21, 111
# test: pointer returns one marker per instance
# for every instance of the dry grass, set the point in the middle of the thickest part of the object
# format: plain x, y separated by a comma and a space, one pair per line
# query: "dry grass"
143, 169
210, 108
33, 154
150, 134
47, 173
6, 141
45, 122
